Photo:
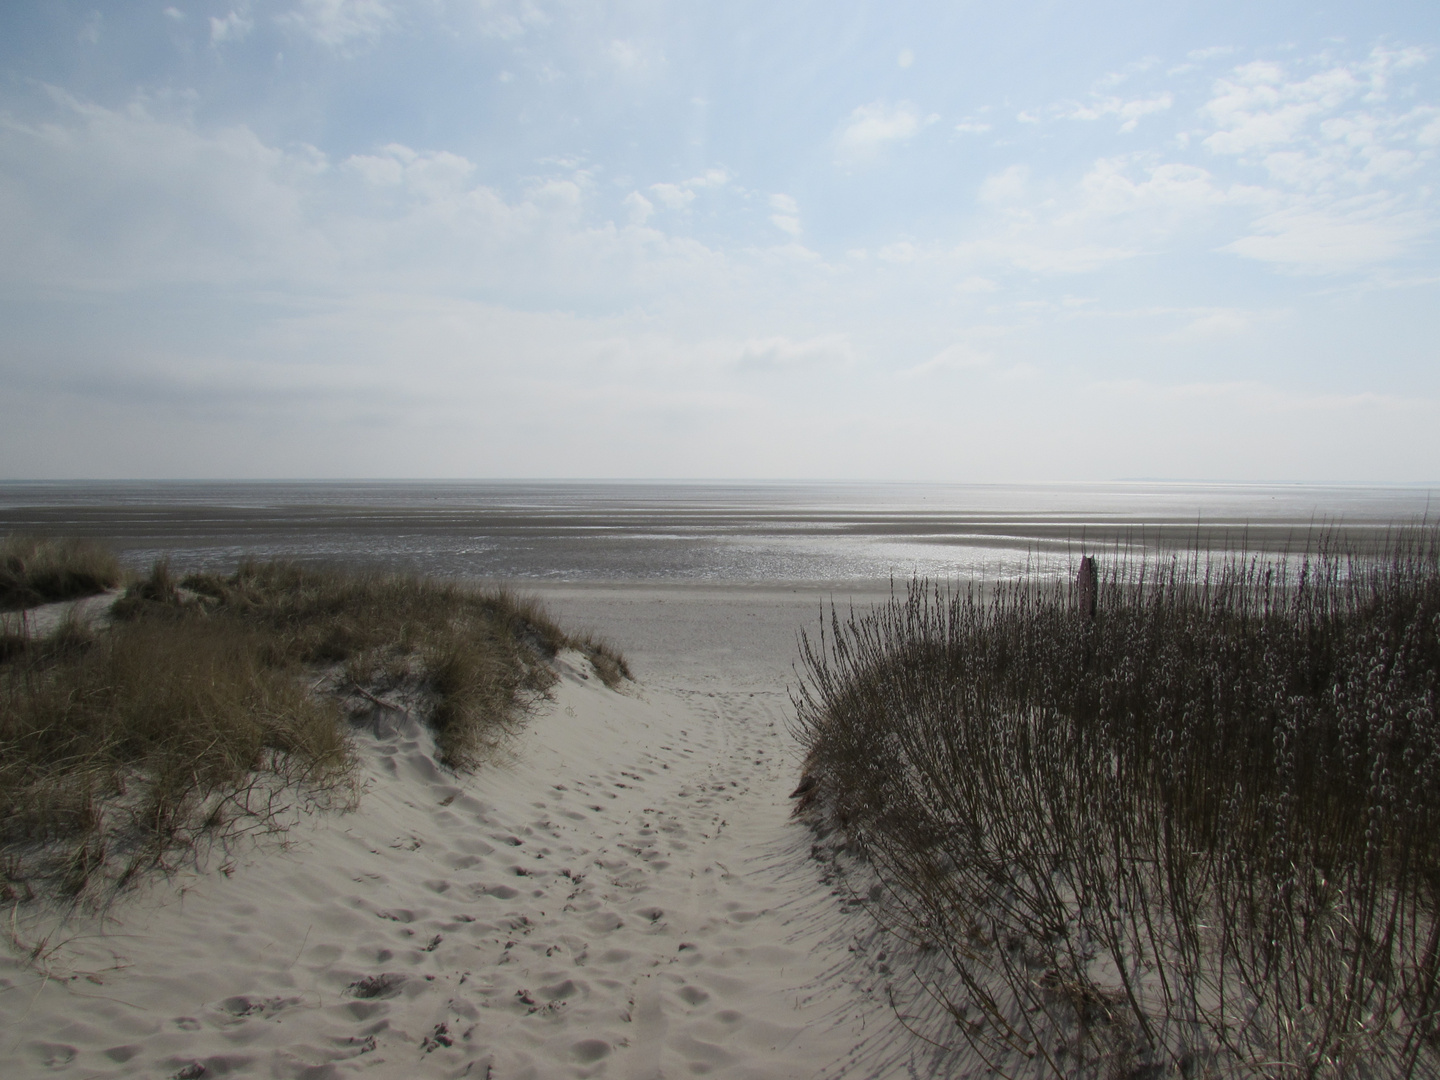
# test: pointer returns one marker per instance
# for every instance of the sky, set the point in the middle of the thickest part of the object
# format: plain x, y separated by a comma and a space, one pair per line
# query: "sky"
965, 241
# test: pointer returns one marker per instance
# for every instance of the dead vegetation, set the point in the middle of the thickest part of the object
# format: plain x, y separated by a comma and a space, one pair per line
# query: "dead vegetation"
1191, 830
213, 704
34, 570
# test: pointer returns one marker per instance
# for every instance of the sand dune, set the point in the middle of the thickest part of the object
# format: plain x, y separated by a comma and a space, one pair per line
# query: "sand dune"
622, 895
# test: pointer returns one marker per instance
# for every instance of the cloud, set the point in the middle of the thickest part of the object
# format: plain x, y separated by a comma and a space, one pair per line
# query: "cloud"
119, 200
787, 214
972, 127
783, 353
905, 59
233, 27
1060, 258
680, 196
432, 175
640, 208
975, 284
345, 25
1257, 108
1260, 108
509, 19
673, 196
1334, 153
1341, 237
1214, 326
710, 178
958, 357
1130, 112
1006, 186
873, 127
105, 199
1308, 172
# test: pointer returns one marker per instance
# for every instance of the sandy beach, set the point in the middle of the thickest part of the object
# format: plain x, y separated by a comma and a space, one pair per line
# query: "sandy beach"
623, 894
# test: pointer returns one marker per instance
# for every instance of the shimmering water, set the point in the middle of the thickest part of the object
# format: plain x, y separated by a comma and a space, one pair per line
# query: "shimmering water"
690, 532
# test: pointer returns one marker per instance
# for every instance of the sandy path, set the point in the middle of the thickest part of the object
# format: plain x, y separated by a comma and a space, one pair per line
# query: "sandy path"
623, 896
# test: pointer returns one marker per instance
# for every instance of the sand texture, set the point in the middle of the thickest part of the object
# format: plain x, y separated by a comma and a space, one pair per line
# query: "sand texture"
623, 894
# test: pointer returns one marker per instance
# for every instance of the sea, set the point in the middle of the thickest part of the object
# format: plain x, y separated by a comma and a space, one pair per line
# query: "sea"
698, 532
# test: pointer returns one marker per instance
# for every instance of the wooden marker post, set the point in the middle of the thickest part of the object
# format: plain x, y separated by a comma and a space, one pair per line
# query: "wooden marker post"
1087, 588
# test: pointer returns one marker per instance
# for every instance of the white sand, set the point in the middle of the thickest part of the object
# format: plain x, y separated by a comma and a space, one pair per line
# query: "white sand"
625, 895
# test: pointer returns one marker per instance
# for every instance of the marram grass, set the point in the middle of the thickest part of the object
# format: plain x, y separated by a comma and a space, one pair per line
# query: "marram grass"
214, 704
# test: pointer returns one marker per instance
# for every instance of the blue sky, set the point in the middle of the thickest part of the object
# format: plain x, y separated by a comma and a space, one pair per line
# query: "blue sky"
485, 238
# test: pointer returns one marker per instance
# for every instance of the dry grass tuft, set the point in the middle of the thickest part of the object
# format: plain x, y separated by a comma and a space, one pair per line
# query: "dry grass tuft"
196, 713
1199, 833
35, 570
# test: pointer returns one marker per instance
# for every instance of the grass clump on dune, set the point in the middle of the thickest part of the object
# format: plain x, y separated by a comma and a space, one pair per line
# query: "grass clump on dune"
35, 570
219, 702
1197, 834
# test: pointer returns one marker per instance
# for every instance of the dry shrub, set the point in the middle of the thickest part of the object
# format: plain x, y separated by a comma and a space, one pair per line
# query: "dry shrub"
34, 570
1213, 809
609, 662
481, 656
196, 710
116, 743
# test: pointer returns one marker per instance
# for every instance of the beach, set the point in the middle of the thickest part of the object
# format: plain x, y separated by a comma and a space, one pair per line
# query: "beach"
620, 890
622, 893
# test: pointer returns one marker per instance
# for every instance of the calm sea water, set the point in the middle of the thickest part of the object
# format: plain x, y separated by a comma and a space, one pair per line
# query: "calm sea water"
690, 532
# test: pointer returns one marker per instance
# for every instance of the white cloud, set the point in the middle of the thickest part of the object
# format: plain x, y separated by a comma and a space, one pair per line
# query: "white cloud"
1130, 112
1060, 258
1006, 186
1322, 167
901, 252
787, 214
873, 127
1169, 193
640, 208
627, 55
341, 24
673, 196
90, 29
1214, 326
1257, 108
115, 200
958, 357
234, 27
972, 127
681, 195
433, 175
175, 13
906, 58
1335, 238
509, 19
975, 284
782, 353
711, 178
1334, 154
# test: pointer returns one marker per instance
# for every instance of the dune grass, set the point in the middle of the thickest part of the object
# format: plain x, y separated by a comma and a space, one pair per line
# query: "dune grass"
34, 570
1197, 834
220, 702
